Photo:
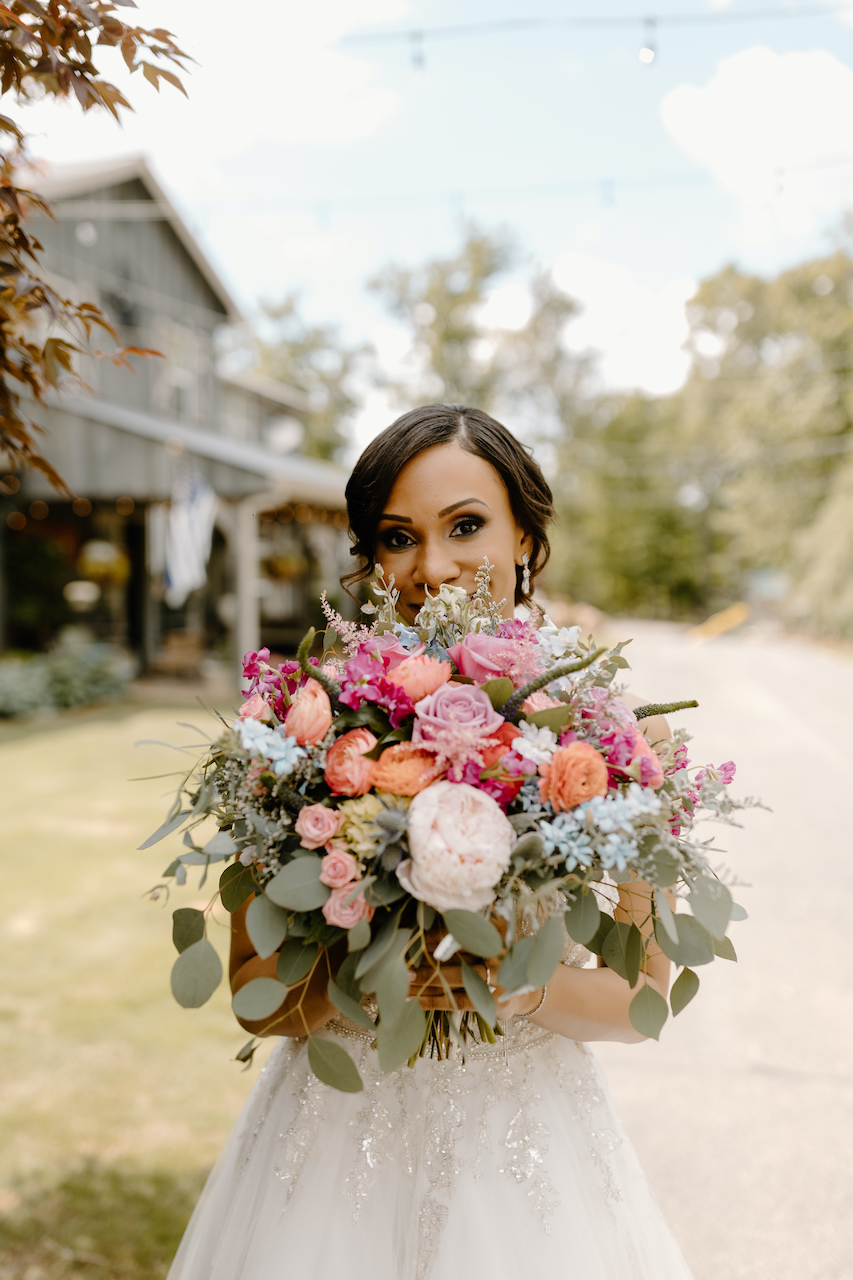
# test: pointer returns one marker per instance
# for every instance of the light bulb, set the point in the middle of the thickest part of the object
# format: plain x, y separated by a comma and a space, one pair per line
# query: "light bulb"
648, 54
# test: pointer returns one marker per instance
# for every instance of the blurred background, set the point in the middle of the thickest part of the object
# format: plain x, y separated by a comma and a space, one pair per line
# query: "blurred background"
626, 234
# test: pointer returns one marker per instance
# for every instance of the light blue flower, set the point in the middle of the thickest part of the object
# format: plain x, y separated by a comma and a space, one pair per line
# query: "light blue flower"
406, 635
259, 739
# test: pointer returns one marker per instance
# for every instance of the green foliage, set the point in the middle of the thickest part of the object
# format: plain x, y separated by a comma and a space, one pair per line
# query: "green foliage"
331, 1063
477, 990
266, 925
683, 990
258, 999
64, 678
648, 1011
187, 927
298, 885
397, 1042
196, 974
582, 918
473, 933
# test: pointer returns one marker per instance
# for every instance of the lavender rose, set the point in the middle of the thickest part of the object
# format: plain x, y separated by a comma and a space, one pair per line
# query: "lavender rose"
453, 705
460, 843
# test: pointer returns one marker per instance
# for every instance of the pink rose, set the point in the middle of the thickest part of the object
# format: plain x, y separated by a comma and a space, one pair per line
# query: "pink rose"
310, 716
348, 772
317, 825
651, 772
338, 868
389, 649
483, 657
339, 912
419, 676
455, 705
460, 844
539, 701
254, 708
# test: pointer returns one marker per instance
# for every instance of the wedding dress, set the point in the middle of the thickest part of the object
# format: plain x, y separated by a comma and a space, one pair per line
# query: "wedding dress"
511, 1164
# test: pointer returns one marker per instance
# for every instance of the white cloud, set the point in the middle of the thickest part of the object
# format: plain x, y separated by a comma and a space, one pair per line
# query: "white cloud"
774, 130
248, 89
638, 332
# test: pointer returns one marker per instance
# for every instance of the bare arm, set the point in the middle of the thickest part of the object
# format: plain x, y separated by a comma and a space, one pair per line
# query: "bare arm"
306, 1007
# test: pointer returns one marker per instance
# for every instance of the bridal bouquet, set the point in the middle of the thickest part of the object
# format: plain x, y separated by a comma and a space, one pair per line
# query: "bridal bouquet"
464, 785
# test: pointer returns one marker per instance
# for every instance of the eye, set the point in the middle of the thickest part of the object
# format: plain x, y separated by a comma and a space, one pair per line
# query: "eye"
466, 526
395, 539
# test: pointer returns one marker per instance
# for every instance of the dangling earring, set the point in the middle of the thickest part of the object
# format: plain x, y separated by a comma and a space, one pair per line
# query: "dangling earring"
525, 575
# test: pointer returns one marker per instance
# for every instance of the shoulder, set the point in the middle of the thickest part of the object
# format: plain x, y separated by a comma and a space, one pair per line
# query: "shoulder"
656, 728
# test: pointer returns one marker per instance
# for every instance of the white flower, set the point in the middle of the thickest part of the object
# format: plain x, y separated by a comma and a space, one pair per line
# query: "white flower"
557, 642
444, 609
535, 743
460, 843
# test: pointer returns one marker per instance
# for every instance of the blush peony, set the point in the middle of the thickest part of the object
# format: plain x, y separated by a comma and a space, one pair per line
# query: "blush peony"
316, 825
348, 772
576, 773
460, 844
310, 716
344, 915
452, 706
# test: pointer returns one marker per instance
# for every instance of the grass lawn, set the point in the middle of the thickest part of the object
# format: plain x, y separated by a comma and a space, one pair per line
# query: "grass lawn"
115, 1101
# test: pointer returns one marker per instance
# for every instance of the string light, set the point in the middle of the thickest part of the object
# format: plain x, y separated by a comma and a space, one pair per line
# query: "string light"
648, 52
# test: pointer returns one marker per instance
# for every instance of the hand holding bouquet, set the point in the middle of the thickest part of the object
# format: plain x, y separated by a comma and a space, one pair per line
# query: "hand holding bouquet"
444, 794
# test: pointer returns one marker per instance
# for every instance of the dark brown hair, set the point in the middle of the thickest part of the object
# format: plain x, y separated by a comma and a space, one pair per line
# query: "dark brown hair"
373, 477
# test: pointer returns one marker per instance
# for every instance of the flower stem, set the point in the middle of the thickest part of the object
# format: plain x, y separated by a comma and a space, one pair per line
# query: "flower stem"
333, 689
662, 708
511, 708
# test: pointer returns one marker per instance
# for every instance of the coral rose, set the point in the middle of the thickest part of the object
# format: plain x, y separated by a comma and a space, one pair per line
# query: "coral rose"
419, 676
402, 771
338, 911
338, 868
460, 844
316, 825
505, 735
310, 716
254, 708
576, 773
348, 772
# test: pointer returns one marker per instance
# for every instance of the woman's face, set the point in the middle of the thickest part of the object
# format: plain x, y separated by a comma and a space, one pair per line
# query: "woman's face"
447, 511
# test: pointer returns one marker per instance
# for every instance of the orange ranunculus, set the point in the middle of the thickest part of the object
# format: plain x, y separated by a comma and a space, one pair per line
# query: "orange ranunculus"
310, 716
420, 676
348, 771
576, 773
403, 771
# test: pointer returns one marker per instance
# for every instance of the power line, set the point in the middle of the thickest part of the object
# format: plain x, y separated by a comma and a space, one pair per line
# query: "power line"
503, 26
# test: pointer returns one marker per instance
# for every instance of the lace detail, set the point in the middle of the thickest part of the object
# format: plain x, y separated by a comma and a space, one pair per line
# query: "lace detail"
298, 1137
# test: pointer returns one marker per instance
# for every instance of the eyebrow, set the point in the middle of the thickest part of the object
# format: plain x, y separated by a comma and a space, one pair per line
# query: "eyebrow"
466, 502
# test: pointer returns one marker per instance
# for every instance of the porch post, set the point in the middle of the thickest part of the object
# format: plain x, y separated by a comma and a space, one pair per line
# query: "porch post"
247, 624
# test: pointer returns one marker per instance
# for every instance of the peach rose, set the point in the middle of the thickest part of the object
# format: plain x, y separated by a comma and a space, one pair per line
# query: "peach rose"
419, 676
347, 771
402, 771
310, 716
576, 773
317, 825
338, 911
539, 701
254, 708
338, 868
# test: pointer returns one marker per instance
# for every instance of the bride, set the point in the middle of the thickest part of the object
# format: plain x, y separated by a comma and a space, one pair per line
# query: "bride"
512, 1163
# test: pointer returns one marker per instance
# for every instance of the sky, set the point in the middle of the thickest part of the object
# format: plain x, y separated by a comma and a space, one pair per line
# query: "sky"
309, 154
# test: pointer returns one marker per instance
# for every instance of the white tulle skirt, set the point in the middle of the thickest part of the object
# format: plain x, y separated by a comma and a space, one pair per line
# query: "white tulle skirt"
513, 1164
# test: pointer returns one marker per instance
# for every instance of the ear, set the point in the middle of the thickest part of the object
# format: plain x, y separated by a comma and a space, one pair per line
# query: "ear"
523, 546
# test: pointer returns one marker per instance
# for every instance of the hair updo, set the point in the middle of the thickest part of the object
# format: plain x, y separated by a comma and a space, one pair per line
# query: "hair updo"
373, 477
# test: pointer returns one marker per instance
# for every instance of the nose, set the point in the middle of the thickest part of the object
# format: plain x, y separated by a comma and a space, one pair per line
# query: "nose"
434, 564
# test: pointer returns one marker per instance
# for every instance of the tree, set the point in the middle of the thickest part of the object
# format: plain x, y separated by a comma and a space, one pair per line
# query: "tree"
314, 359
50, 49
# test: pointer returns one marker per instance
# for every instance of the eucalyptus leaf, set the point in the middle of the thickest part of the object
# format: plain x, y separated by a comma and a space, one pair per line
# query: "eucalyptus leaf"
258, 999
331, 1063
499, 691
665, 914
553, 718
529, 846
648, 1012
582, 918
196, 974
236, 884
296, 959
513, 971
478, 993
266, 925
695, 945
221, 844
383, 939
596, 942
711, 904
346, 979
358, 937
248, 1051
622, 951
396, 1044
473, 933
172, 867
389, 979
683, 990
298, 885
549, 942
724, 948
187, 927
348, 1007
385, 890
738, 912
166, 828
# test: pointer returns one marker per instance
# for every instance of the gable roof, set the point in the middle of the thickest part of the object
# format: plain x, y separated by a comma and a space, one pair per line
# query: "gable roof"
71, 182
